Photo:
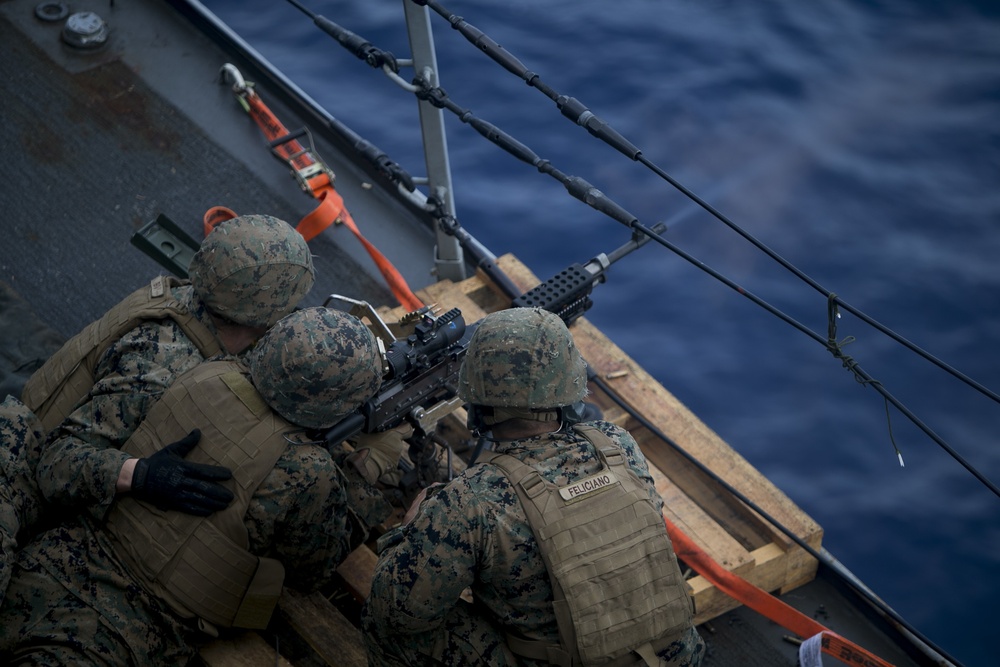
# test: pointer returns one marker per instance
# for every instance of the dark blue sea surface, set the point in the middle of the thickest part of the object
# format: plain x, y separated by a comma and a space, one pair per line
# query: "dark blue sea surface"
858, 140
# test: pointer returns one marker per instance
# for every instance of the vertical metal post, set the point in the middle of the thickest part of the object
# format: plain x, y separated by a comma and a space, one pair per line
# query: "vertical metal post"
448, 261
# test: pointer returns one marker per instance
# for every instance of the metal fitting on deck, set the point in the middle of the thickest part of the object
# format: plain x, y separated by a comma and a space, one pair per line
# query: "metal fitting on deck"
52, 11
85, 30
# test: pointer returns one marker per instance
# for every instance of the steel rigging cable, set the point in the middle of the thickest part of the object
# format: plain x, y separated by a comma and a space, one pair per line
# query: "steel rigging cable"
590, 195
575, 111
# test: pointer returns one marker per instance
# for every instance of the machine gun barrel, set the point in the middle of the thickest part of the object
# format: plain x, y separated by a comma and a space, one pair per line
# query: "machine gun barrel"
567, 294
422, 370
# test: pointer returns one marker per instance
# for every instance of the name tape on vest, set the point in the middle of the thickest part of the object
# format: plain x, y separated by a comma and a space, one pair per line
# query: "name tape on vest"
580, 488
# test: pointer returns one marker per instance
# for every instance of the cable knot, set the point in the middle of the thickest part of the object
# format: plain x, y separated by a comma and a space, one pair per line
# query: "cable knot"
836, 347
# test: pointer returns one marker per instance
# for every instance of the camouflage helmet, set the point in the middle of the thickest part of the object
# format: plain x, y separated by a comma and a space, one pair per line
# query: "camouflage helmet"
252, 270
522, 358
315, 366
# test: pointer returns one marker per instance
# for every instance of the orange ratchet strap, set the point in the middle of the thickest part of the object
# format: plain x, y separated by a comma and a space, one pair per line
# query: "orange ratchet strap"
317, 179
766, 604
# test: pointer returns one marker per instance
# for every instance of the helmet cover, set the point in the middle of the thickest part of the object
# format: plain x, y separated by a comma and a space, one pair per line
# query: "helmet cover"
522, 358
316, 366
252, 270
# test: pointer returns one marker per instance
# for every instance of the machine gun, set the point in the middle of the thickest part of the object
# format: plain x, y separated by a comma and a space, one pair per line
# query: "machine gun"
420, 381
420, 374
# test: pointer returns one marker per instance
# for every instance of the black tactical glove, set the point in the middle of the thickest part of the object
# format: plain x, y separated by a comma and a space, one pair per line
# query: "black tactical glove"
166, 480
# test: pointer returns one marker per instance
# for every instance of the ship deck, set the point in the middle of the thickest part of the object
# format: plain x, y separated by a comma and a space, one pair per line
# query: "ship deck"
96, 145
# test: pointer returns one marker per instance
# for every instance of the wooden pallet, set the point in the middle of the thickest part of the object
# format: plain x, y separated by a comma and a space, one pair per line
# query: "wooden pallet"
734, 535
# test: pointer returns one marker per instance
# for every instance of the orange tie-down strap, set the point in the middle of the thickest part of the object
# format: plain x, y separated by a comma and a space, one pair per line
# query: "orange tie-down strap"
331, 204
766, 604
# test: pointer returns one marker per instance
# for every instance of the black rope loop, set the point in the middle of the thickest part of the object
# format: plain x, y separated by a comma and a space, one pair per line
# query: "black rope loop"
836, 349
848, 362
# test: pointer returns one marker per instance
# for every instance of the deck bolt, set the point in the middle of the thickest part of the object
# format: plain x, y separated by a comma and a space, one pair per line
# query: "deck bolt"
85, 30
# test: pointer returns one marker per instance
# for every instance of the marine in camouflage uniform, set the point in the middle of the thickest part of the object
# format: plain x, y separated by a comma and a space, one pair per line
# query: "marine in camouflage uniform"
20, 504
249, 272
74, 599
473, 534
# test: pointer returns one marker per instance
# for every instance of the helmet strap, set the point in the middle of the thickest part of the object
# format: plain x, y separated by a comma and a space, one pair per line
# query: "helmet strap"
481, 417
495, 415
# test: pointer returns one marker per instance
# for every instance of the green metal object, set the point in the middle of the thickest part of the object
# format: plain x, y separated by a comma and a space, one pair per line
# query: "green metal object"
168, 244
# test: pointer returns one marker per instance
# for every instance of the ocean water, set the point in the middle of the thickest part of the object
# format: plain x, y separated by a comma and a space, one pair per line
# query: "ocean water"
860, 141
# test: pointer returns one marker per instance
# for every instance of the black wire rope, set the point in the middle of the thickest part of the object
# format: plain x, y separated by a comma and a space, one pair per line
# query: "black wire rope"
835, 348
590, 195
575, 111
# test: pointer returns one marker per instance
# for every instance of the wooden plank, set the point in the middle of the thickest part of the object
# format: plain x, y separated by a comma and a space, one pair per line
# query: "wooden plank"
699, 526
475, 296
356, 571
650, 399
246, 649
800, 567
768, 573
322, 628
735, 517
738, 519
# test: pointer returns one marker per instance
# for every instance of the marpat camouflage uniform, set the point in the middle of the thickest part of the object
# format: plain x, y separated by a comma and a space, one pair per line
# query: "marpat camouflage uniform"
71, 599
473, 533
79, 466
256, 269
20, 503
46, 477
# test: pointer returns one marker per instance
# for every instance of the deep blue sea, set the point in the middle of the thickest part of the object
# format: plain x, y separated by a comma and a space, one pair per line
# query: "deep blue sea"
858, 140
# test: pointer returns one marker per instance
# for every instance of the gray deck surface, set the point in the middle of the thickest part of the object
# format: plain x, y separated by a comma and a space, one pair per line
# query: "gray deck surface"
91, 152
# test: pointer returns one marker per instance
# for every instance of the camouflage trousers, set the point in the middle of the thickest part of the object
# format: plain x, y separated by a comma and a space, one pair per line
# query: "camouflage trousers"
57, 628
90, 613
20, 500
468, 638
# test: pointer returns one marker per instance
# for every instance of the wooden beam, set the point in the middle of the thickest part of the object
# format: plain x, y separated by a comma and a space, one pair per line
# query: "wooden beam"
315, 624
246, 649
356, 571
